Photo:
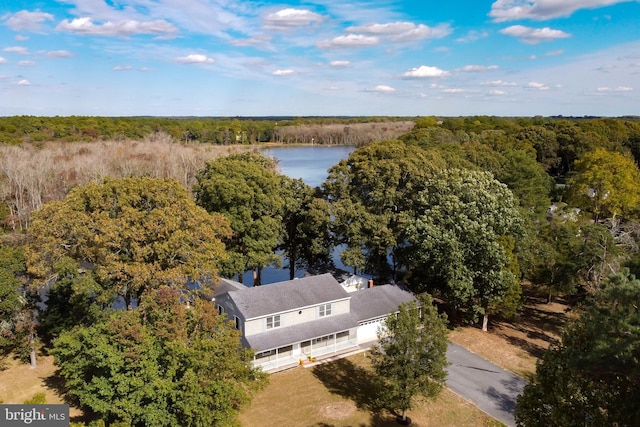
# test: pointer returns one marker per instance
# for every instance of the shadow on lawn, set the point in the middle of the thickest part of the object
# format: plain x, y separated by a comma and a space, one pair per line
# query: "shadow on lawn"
352, 382
57, 384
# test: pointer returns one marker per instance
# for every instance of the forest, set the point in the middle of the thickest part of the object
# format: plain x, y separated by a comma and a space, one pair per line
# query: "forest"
466, 209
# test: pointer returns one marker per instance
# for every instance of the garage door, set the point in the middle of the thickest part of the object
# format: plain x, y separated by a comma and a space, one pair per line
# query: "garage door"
368, 331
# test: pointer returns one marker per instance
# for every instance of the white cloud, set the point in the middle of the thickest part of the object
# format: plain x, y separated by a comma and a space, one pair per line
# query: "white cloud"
499, 83
21, 38
473, 36
16, 49
616, 89
477, 68
404, 31
340, 63
540, 10
195, 59
555, 52
350, 40
28, 21
537, 86
425, 71
382, 89
122, 68
3, 60
26, 63
496, 92
59, 54
24, 82
453, 90
290, 18
86, 26
286, 72
534, 35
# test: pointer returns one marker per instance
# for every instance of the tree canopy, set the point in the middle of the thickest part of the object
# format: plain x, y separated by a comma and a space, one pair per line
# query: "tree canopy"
246, 189
591, 377
457, 239
410, 356
136, 234
167, 363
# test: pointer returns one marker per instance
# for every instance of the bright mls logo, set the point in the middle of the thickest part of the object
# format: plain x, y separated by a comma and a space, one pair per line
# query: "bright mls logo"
36, 415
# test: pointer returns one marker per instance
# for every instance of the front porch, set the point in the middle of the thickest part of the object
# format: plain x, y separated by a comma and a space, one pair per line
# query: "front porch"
307, 351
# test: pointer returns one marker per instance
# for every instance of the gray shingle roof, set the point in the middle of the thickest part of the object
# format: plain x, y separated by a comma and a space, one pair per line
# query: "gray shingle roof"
227, 285
284, 296
279, 337
372, 303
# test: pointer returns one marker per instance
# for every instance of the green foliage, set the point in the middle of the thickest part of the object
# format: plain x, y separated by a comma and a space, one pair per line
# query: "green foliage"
457, 239
164, 364
36, 399
591, 377
410, 357
607, 184
12, 301
306, 223
246, 189
134, 234
372, 194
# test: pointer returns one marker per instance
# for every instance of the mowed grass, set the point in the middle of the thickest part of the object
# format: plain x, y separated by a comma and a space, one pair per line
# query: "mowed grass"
341, 393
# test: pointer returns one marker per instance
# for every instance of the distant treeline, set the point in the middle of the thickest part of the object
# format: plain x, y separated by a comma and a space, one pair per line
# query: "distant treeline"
220, 131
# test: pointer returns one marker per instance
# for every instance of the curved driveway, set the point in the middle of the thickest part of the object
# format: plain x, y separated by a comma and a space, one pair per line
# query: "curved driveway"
491, 388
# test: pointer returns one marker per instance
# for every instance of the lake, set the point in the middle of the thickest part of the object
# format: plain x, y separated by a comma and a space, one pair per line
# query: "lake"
311, 163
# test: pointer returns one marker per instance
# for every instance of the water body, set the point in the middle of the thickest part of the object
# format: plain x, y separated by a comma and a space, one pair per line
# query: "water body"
310, 163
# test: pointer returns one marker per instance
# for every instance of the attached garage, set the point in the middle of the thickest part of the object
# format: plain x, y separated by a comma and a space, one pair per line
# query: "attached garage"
368, 331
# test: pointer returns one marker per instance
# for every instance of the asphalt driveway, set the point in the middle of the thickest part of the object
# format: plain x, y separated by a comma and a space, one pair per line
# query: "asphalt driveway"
491, 388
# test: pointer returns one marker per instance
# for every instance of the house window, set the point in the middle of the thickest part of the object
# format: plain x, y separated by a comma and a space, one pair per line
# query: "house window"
325, 310
220, 309
273, 322
237, 322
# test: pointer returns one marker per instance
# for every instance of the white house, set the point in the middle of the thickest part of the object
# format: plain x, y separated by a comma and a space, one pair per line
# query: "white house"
305, 318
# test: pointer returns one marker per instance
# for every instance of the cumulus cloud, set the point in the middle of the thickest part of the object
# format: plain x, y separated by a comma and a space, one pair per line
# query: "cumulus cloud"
424, 71
28, 21
286, 19
122, 68
86, 26
350, 40
26, 63
195, 59
20, 50
59, 54
477, 68
340, 63
286, 72
3, 60
24, 82
382, 89
534, 35
540, 10
453, 90
537, 86
403, 31
496, 92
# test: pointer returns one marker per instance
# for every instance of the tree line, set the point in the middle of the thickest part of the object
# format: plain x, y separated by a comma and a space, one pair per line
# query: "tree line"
457, 209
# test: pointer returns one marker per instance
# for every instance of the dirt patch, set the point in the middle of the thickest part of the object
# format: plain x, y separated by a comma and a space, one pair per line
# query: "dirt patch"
338, 410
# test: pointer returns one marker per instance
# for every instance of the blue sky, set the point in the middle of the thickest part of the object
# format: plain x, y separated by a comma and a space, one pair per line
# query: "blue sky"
325, 57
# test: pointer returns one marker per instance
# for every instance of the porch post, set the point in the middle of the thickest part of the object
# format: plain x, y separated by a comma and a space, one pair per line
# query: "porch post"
277, 358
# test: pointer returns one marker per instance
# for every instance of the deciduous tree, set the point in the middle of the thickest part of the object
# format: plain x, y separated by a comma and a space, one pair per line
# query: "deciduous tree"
246, 189
166, 363
410, 357
135, 233
457, 239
